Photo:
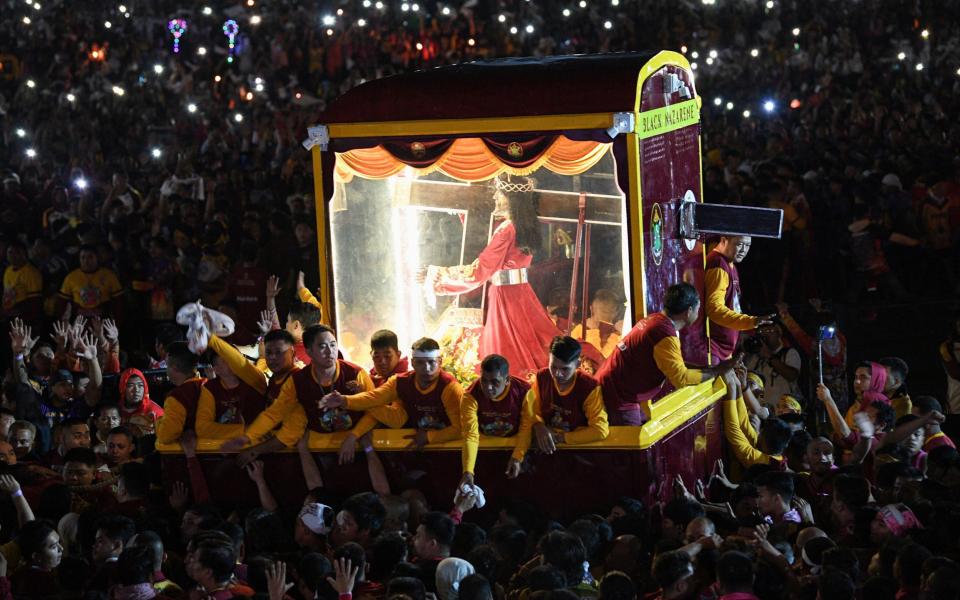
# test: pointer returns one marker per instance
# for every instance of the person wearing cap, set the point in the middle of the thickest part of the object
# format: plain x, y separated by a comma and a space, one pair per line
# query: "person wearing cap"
649, 356
314, 523
426, 398
788, 405
892, 521
297, 407
567, 403
497, 404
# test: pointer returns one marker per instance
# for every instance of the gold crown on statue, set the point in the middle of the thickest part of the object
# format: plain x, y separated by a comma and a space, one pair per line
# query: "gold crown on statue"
510, 185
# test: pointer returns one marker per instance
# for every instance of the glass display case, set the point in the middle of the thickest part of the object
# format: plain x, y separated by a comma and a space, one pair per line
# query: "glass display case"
394, 239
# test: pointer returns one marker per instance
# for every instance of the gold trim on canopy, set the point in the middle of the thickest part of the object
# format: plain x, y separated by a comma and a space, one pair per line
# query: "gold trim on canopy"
469, 160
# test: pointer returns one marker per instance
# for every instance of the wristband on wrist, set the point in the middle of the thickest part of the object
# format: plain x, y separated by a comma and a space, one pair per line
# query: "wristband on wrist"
346, 595
368, 449
17, 493
19, 357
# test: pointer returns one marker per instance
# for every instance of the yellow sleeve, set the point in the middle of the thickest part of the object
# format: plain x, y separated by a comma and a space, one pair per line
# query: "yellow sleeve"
744, 452
745, 425
670, 362
527, 418
717, 281
238, 363
392, 415
280, 410
373, 397
364, 381
470, 425
307, 297
261, 365
945, 352
170, 427
66, 288
451, 403
207, 426
294, 424
533, 397
848, 418
366, 424
597, 428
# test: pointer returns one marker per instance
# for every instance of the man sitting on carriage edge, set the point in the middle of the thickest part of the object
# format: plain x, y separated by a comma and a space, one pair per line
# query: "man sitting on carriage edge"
567, 402
498, 405
426, 398
297, 405
649, 355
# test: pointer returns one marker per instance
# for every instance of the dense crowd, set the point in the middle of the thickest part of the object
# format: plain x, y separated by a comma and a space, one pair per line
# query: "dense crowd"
136, 180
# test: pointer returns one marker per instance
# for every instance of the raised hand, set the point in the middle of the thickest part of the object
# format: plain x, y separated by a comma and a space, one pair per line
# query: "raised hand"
823, 393
79, 326
87, 346
346, 574
273, 287
61, 333
180, 496
277, 580
19, 335
265, 324
110, 331
300, 280
8, 484
255, 470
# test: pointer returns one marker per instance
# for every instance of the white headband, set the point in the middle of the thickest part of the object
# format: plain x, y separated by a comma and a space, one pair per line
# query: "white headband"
426, 354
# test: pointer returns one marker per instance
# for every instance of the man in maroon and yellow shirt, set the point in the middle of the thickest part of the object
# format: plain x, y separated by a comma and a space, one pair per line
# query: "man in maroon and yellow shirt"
426, 399
180, 406
567, 402
930, 411
497, 405
649, 355
387, 360
297, 405
228, 402
725, 321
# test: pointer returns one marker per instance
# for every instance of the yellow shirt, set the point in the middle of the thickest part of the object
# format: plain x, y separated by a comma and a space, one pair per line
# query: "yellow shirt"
717, 281
21, 284
90, 290
597, 427
470, 425
669, 359
393, 413
287, 410
593, 338
743, 449
174, 419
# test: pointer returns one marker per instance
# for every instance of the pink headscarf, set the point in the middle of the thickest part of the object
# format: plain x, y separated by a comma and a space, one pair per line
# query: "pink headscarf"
878, 380
899, 519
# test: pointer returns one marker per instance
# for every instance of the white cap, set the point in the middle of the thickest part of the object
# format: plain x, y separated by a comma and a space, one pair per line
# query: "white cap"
892, 180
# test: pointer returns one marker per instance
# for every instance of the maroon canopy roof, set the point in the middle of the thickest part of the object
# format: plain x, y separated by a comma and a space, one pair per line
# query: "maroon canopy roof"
506, 87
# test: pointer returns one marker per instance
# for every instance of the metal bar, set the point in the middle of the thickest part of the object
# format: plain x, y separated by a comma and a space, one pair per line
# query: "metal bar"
578, 248
586, 284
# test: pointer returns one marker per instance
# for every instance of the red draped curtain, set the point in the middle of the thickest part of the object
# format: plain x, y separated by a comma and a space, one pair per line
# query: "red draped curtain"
472, 159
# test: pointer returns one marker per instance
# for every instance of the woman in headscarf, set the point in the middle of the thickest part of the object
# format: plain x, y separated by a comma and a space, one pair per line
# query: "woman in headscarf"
450, 572
868, 382
136, 407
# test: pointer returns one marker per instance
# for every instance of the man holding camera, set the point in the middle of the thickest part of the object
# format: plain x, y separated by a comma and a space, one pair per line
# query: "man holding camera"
777, 364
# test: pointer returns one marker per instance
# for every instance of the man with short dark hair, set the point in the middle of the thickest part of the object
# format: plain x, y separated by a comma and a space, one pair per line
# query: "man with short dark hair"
649, 356
90, 287
113, 533
299, 404
387, 360
74, 433
567, 402
673, 573
497, 405
722, 285
180, 405
776, 493
926, 407
426, 398
896, 385
360, 519
432, 544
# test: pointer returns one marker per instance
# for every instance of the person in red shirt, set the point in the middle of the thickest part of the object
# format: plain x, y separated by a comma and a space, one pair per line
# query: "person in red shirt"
245, 287
649, 356
137, 408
